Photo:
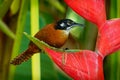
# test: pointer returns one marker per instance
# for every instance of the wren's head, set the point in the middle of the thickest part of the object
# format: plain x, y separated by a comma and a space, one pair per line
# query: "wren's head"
66, 24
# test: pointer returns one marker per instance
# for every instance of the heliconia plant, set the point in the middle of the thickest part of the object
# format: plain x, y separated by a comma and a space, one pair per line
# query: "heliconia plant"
86, 64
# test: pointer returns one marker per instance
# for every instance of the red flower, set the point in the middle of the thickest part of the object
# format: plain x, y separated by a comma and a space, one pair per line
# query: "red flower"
83, 65
109, 37
88, 65
92, 10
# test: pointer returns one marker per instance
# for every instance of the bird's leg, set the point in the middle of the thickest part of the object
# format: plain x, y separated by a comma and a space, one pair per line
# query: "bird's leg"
66, 49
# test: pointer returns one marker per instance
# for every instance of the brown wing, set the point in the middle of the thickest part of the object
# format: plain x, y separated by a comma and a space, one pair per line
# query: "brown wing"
51, 36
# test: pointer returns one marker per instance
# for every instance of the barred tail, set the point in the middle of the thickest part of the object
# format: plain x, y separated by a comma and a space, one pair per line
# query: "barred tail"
22, 58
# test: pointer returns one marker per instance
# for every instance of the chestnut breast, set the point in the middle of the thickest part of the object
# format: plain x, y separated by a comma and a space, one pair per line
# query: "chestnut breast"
52, 36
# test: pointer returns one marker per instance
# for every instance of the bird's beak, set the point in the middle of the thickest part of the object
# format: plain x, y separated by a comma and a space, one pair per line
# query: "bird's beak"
78, 24
75, 25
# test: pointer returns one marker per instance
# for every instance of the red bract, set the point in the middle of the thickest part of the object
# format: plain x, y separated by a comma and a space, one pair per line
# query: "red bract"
109, 37
92, 10
82, 65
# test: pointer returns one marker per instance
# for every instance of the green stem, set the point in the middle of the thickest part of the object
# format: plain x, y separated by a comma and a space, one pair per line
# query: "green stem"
1, 56
5, 5
118, 8
118, 58
36, 72
113, 57
6, 59
113, 9
19, 32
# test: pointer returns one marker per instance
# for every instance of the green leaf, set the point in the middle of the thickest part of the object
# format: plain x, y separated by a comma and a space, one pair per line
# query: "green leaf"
37, 42
6, 30
42, 45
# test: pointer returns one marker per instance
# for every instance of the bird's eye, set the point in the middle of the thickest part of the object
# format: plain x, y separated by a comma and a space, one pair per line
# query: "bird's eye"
62, 24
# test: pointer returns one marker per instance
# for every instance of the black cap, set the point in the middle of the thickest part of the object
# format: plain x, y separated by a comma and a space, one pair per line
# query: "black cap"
66, 24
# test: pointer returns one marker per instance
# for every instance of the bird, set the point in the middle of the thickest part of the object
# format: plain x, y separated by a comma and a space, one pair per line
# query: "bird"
54, 34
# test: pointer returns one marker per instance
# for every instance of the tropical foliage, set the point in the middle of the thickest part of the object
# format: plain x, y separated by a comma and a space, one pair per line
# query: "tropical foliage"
94, 43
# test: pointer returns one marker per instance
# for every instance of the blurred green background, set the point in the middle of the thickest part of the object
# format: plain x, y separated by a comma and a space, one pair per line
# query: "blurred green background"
18, 16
